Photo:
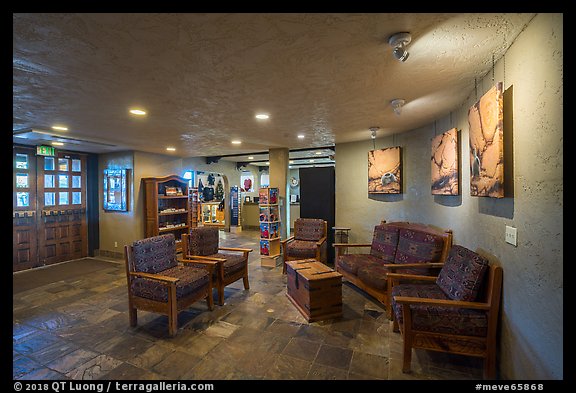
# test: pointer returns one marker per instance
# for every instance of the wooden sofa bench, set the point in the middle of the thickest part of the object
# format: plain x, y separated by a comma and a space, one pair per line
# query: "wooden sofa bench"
399, 247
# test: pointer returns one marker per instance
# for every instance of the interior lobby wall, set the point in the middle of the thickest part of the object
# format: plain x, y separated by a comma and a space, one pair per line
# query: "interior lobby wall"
531, 327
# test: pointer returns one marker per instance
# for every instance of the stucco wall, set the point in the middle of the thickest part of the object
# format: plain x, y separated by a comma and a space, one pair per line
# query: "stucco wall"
531, 342
125, 227
124, 220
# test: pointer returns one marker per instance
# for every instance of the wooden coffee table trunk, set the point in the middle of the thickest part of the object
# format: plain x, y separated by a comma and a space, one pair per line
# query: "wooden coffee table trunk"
314, 289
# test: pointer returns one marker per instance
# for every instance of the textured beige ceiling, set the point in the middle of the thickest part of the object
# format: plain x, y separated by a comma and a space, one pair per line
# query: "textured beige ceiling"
203, 77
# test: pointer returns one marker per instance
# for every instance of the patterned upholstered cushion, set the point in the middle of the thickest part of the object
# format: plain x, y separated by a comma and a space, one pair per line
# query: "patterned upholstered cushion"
352, 262
204, 240
234, 262
309, 229
191, 280
155, 254
462, 274
449, 320
301, 249
416, 246
373, 276
384, 242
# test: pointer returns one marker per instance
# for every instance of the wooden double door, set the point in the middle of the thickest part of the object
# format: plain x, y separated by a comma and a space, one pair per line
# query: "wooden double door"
49, 208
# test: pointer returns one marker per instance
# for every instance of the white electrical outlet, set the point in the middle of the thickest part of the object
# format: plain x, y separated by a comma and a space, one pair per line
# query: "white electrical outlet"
511, 235
115, 244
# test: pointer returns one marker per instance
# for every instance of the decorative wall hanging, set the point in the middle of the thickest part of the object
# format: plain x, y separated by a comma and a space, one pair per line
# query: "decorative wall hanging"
115, 190
384, 171
444, 163
247, 183
485, 119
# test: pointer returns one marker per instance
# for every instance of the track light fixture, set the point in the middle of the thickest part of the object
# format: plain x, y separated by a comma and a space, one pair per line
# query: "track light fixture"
397, 105
399, 41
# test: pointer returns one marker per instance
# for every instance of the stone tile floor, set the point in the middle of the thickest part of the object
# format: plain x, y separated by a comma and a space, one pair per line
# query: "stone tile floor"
78, 329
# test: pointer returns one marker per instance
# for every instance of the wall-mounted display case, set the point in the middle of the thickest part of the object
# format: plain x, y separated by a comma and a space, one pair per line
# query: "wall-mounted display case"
116, 190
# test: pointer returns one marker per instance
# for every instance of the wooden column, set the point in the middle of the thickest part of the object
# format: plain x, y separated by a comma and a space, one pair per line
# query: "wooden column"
279, 179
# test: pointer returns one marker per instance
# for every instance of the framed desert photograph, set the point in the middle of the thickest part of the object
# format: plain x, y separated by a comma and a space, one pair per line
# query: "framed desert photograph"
384, 171
444, 163
485, 119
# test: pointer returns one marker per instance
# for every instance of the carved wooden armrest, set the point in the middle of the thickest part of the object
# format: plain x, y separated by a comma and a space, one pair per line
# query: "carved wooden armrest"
322, 240
441, 302
351, 245
246, 250
423, 265
201, 258
394, 278
287, 240
156, 277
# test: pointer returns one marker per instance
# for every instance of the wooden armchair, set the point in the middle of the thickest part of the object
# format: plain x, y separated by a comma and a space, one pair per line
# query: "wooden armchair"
201, 246
157, 283
456, 312
309, 241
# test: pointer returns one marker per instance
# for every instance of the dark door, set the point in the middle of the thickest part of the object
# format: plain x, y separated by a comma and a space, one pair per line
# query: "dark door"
24, 214
49, 208
317, 188
62, 231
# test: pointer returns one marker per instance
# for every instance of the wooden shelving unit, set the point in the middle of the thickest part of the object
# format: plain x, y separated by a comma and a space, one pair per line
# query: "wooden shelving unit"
167, 206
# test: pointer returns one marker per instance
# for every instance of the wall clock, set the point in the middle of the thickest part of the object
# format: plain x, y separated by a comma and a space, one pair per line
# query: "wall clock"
293, 182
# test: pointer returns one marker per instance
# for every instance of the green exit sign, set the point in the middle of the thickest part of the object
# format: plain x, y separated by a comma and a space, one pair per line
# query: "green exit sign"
45, 151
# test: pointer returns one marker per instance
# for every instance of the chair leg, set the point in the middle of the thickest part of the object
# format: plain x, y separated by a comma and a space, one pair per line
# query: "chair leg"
221, 295
172, 324
246, 283
395, 326
133, 315
490, 365
407, 359
210, 300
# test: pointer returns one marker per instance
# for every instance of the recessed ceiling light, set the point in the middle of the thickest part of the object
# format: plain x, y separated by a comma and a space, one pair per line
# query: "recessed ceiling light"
60, 128
310, 160
250, 158
301, 136
262, 116
57, 144
236, 142
137, 112
171, 148
291, 162
318, 152
267, 162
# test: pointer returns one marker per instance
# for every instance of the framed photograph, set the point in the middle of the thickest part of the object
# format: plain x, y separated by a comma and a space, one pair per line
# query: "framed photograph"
384, 171
444, 163
486, 119
116, 190
247, 199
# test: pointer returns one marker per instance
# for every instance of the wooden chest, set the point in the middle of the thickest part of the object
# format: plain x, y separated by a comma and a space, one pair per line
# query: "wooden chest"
315, 289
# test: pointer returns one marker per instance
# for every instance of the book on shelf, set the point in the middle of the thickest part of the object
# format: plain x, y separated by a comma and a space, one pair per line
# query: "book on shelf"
170, 191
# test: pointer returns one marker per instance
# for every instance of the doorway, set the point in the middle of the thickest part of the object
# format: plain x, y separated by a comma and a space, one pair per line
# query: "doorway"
49, 208
317, 199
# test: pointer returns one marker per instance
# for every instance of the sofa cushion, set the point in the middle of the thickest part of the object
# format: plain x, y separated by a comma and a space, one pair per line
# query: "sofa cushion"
204, 241
384, 242
417, 247
155, 254
301, 249
450, 320
311, 229
462, 274
374, 276
191, 280
352, 262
